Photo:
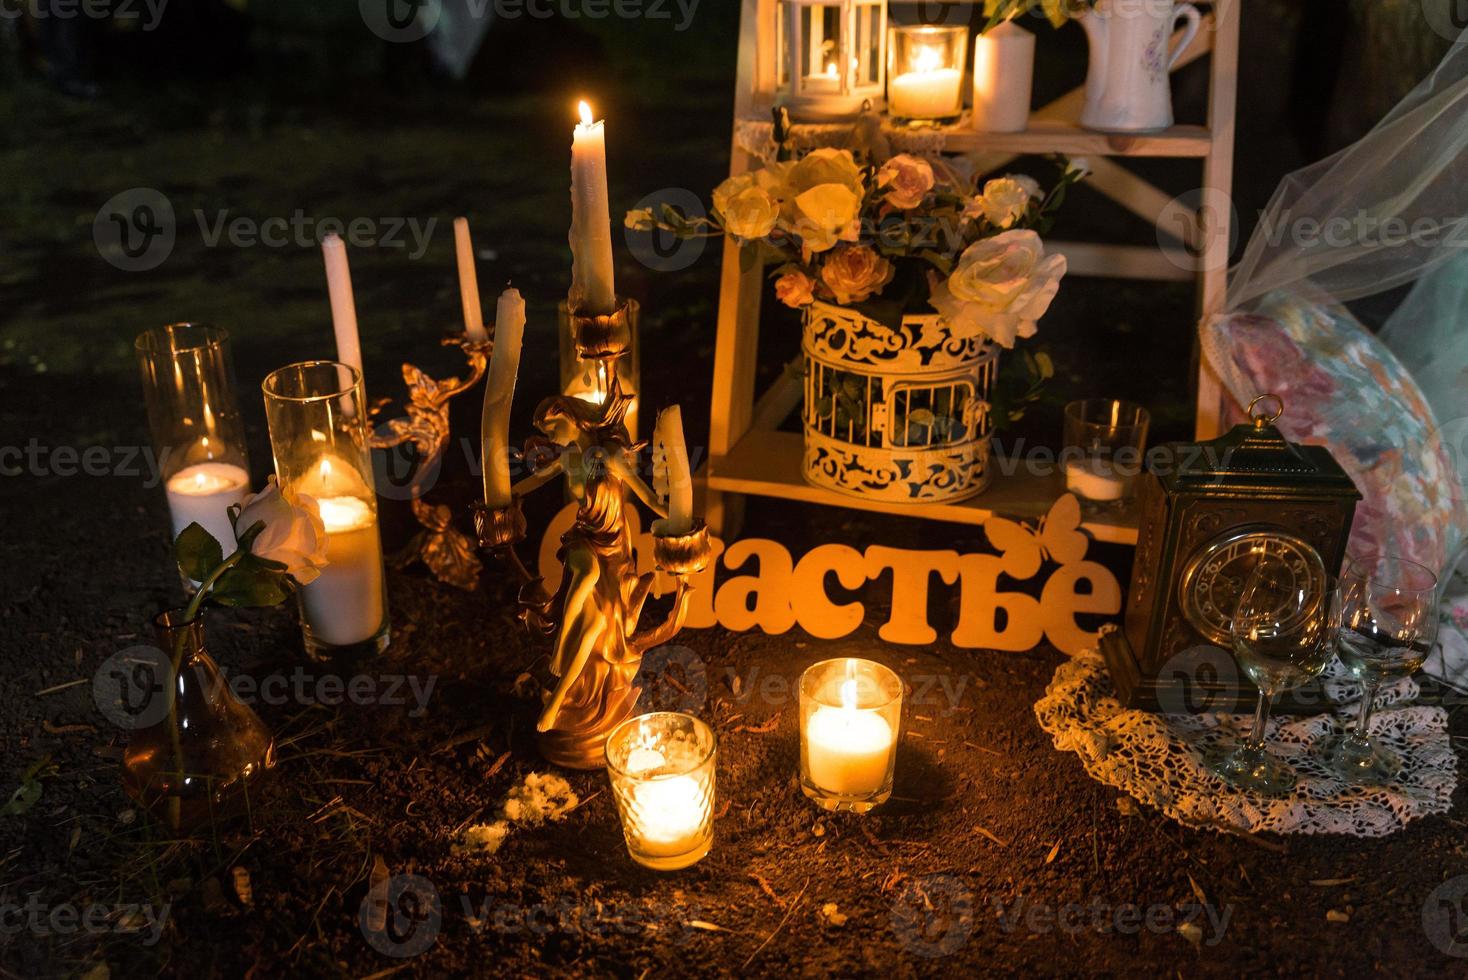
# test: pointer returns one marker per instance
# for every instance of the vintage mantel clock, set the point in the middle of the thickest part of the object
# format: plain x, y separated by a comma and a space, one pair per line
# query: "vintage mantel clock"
1208, 511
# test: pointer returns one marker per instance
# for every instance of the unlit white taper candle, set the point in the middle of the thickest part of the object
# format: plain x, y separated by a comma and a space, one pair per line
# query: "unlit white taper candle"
504, 364
593, 288
343, 306
469, 283
680, 478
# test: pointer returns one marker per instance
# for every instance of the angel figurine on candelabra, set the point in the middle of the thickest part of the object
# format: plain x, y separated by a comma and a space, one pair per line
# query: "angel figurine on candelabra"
595, 613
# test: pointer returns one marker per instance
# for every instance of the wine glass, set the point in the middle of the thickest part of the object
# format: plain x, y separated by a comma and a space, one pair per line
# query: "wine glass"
1388, 627
1283, 634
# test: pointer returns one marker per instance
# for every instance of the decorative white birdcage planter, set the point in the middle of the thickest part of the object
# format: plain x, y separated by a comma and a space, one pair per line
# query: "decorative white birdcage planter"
900, 415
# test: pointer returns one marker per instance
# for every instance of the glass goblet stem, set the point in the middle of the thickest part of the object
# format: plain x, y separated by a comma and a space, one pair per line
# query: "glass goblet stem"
1261, 721
1359, 737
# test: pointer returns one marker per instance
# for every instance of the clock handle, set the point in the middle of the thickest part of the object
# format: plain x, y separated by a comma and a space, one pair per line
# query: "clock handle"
1264, 419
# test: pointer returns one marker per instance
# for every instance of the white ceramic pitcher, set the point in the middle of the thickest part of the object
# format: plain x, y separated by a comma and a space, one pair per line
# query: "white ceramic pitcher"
1128, 85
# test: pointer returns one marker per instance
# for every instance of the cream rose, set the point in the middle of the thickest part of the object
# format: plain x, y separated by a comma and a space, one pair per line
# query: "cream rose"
853, 274
795, 289
826, 166
826, 214
1001, 287
293, 534
907, 180
749, 210
1004, 200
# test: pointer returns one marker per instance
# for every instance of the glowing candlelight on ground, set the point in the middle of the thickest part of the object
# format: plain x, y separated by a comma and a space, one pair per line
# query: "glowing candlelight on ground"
504, 365
661, 768
202, 494
850, 716
593, 290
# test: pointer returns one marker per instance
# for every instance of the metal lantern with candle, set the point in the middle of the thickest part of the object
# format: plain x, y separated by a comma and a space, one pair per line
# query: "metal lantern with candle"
850, 723
198, 434
832, 57
661, 767
926, 72
318, 433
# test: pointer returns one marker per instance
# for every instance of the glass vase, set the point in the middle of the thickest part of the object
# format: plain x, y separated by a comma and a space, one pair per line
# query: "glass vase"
850, 723
198, 434
199, 753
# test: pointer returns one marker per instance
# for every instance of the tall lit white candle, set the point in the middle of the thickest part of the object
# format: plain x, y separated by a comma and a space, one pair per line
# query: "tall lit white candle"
344, 605
202, 494
680, 479
343, 306
504, 364
593, 290
848, 749
1004, 70
469, 283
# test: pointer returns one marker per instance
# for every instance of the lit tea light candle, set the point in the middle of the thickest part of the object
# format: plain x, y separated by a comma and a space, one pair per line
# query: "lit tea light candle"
203, 494
661, 768
344, 605
850, 713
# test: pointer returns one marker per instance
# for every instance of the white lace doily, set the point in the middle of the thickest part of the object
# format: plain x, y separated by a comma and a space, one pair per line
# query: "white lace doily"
1157, 759
757, 137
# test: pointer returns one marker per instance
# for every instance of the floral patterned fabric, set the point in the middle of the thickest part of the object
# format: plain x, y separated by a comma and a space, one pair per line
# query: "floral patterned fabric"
1344, 389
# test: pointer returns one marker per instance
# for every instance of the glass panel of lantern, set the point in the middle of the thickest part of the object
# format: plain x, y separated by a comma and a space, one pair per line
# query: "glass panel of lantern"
831, 56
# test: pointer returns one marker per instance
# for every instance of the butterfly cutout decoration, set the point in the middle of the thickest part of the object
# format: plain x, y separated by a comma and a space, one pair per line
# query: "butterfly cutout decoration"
1057, 537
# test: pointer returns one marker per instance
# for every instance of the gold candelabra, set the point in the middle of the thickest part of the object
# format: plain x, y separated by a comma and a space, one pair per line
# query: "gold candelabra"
595, 613
448, 553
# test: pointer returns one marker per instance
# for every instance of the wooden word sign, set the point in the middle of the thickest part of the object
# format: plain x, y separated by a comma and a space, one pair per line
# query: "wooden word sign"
756, 582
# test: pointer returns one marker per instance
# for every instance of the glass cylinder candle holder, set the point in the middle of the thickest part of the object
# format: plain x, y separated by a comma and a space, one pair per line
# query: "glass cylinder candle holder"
587, 379
926, 71
1104, 444
318, 433
661, 767
850, 722
198, 435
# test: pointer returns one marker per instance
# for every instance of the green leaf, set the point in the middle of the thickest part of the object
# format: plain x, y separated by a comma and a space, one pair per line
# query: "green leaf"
198, 552
28, 793
251, 583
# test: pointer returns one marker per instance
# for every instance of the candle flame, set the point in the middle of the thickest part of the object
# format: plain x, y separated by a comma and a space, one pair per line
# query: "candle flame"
927, 59
199, 481
586, 117
831, 70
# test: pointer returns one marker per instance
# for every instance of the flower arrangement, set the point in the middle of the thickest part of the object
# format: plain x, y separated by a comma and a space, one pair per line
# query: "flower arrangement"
906, 235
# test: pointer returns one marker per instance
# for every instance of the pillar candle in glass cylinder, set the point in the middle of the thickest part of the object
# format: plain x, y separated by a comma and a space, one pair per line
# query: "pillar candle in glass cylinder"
925, 80
850, 721
318, 432
198, 434
661, 768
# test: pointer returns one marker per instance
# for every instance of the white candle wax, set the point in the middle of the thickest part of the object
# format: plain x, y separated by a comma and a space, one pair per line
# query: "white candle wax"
1004, 69
672, 816
343, 306
469, 283
504, 364
680, 480
848, 750
344, 605
1096, 479
202, 494
593, 290
926, 94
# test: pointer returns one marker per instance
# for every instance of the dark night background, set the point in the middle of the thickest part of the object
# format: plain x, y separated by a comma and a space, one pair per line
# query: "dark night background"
261, 108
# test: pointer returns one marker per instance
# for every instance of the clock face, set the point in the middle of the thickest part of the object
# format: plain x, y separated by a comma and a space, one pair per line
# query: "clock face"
1214, 578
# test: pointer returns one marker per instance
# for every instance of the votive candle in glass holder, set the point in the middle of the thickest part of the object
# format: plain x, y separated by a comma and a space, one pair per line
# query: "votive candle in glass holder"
662, 770
198, 434
850, 722
588, 379
318, 432
1104, 444
925, 76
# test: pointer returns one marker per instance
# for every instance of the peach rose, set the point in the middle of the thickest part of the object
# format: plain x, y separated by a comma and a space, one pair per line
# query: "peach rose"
795, 289
853, 274
907, 180
1001, 287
